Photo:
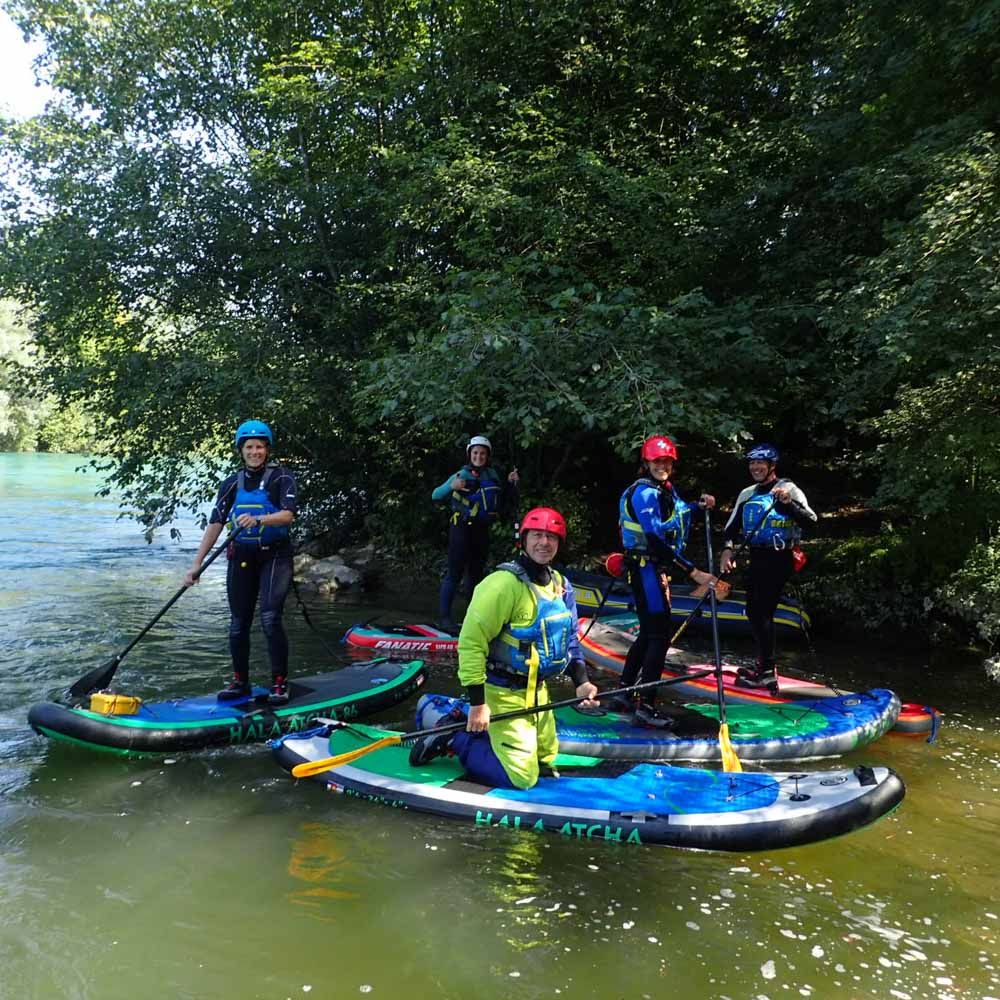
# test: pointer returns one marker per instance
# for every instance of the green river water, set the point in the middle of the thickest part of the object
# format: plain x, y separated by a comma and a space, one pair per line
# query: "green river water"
215, 875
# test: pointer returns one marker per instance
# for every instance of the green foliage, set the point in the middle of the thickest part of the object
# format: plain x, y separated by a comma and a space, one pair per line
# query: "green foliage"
874, 582
384, 227
28, 422
972, 593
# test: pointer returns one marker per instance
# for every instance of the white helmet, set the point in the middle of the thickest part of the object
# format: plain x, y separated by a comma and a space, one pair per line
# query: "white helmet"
478, 439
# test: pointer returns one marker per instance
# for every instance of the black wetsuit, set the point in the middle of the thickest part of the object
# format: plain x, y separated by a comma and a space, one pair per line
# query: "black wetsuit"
768, 572
258, 573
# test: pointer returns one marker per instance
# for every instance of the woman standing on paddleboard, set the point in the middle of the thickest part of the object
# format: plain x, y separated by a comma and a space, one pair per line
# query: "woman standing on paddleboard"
259, 499
654, 523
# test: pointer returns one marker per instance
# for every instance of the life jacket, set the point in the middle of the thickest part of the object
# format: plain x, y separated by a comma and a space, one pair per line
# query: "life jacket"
675, 528
256, 503
480, 503
548, 635
776, 530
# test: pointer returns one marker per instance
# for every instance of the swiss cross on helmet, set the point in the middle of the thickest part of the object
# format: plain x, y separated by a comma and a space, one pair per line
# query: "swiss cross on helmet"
253, 429
544, 519
763, 453
658, 446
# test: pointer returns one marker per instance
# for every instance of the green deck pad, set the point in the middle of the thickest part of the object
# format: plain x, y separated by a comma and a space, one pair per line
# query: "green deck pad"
746, 722
394, 762
767, 721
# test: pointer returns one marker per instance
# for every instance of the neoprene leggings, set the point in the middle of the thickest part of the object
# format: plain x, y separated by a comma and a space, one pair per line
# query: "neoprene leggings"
468, 550
253, 573
652, 606
766, 578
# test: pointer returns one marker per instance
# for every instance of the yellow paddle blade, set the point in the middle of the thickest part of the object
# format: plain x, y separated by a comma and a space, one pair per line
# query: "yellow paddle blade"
311, 767
730, 762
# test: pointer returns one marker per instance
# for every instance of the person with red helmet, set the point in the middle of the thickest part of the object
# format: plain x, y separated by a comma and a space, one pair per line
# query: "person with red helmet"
476, 494
654, 523
519, 631
768, 519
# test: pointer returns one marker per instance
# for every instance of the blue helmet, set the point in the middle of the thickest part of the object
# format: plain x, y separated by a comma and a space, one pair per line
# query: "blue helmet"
763, 453
253, 429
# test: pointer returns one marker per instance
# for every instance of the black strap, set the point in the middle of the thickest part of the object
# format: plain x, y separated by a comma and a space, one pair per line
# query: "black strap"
308, 620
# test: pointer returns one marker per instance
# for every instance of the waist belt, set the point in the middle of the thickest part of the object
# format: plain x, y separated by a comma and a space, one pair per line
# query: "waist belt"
506, 678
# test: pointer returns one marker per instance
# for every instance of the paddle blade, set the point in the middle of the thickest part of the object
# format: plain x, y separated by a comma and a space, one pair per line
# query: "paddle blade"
730, 762
96, 680
311, 767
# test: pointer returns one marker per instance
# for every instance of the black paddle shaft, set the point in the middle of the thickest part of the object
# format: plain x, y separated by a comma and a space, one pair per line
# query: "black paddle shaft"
710, 592
720, 689
553, 705
100, 678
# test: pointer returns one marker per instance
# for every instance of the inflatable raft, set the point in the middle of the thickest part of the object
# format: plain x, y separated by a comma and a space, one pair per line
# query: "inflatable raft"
601, 800
789, 617
606, 642
826, 727
353, 692
425, 639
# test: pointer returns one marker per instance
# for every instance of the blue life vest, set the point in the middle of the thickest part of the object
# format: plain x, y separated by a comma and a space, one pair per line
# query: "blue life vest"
256, 503
480, 503
549, 634
776, 531
675, 528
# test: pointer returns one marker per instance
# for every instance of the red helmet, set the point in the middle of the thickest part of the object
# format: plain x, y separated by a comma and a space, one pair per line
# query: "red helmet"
658, 446
544, 519
615, 564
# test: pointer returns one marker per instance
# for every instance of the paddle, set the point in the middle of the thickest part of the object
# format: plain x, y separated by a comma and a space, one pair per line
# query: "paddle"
709, 591
730, 762
309, 768
100, 677
609, 562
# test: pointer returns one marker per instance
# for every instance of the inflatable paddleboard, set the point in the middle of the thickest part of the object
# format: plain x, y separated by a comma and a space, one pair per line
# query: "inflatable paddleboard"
789, 617
352, 692
425, 639
606, 642
601, 800
827, 727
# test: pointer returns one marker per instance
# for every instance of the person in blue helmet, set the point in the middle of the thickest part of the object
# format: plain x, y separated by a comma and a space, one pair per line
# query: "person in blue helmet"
654, 523
768, 519
259, 499
476, 495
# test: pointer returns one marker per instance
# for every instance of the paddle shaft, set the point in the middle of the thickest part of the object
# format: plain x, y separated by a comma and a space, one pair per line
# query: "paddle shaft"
102, 676
711, 590
600, 608
173, 600
553, 705
308, 768
715, 624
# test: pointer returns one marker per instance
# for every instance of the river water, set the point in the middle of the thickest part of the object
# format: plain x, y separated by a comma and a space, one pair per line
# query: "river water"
215, 875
